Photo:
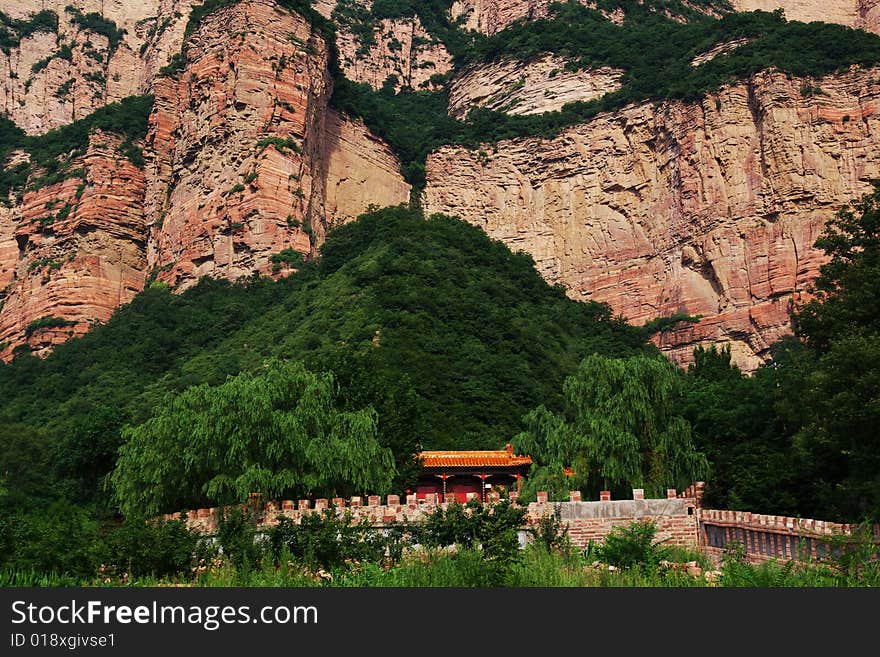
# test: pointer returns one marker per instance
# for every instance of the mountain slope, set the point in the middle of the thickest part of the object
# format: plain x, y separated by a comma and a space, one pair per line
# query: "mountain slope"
449, 335
702, 147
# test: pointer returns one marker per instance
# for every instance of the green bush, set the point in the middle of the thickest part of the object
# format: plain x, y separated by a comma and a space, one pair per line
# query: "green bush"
631, 546
493, 529
151, 548
326, 540
237, 539
61, 538
46, 322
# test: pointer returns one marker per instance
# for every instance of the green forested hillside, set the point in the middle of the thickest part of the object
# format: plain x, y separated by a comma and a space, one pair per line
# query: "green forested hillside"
448, 335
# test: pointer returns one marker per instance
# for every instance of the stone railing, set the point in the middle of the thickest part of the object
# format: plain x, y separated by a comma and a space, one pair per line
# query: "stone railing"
765, 537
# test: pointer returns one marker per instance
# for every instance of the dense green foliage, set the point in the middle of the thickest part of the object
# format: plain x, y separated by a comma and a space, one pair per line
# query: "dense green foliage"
492, 529
278, 432
620, 430
51, 153
799, 436
446, 334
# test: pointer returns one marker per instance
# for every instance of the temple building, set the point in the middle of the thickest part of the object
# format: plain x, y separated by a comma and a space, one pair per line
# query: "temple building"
463, 472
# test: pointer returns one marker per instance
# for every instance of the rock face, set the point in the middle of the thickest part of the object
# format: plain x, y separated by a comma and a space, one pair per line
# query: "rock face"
244, 119
540, 85
708, 209
55, 77
861, 14
245, 151
492, 16
244, 160
402, 49
72, 252
361, 171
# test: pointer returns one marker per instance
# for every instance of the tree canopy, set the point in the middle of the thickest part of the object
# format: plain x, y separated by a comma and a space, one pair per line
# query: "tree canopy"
621, 428
277, 432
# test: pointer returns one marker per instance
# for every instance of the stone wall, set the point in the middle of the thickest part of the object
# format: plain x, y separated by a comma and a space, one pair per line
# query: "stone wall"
675, 517
766, 537
679, 519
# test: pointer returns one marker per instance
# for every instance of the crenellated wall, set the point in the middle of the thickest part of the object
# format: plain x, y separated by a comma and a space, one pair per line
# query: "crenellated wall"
679, 520
766, 537
675, 517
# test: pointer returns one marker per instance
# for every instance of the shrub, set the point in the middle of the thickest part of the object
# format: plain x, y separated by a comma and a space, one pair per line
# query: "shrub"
630, 546
551, 534
139, 548
237, 538
325, 540
491, 528
46, 322
288, 257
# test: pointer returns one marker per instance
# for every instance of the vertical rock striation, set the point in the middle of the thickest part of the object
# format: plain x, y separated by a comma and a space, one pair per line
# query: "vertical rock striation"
73, 251
709, 209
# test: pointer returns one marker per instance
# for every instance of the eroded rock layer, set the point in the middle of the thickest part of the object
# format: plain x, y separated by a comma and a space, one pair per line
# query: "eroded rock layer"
243, 119
73, 251
246, 166
709, 209
532, 87
101, 52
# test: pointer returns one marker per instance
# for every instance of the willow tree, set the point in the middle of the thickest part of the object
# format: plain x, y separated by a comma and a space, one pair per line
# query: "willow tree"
277, 432
620, 429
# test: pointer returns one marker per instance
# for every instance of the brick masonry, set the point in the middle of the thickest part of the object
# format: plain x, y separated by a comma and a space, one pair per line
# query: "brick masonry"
766, 537
678, 517
675, 518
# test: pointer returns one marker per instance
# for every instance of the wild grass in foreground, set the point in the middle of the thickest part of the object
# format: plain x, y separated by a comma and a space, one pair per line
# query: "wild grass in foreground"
463, 546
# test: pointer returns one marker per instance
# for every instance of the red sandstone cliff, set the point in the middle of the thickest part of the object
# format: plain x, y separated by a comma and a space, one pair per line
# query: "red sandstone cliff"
709, 209
244, 159
72, 251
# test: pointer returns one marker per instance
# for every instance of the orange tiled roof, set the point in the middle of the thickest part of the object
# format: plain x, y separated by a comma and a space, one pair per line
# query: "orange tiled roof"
497, 458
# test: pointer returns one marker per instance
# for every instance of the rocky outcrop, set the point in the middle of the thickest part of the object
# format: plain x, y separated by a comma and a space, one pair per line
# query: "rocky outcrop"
52, 78
540, 85
709, 209
73, 251
492, 16
243, 120
362, 171
372, 51
247, 161
244, 160
861, 14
